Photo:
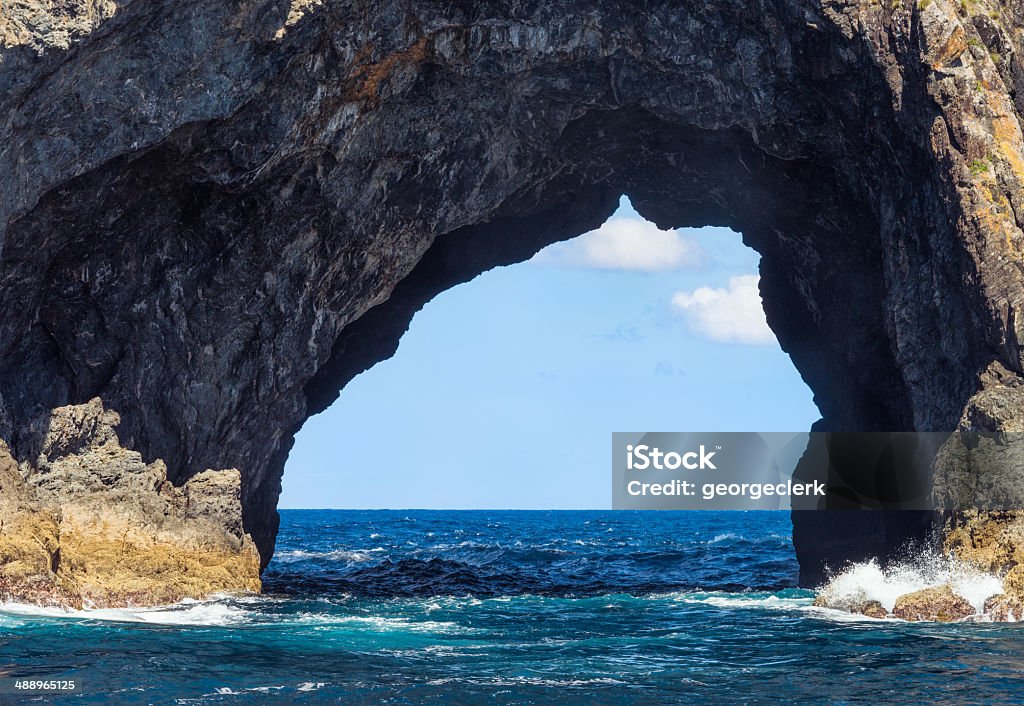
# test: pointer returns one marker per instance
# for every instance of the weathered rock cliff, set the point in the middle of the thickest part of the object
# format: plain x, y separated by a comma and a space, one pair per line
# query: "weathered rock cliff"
213, 214
86, 522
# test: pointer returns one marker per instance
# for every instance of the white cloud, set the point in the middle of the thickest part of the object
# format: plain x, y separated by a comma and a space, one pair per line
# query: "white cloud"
733, 314
625, 244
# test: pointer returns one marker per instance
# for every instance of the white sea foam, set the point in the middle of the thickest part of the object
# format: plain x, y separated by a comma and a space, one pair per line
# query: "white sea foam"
213, 613
448, 603
741, 600
198, 614
350, 555
524, 681
867, 581
9, 621
383, 624
27, 610
227, 612
466, 544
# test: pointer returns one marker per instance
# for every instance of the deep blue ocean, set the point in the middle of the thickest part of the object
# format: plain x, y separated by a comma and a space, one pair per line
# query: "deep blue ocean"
514, 607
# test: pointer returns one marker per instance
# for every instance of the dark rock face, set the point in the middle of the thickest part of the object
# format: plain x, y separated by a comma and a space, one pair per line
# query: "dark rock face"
214, 214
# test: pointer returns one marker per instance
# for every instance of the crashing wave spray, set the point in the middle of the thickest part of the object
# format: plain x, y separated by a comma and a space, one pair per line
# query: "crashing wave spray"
864, 582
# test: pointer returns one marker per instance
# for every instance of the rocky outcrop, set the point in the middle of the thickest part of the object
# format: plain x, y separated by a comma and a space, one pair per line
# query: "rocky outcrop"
89, 523
861, 606
979, 489
938, 604
990, 541
1003, 608
214, 214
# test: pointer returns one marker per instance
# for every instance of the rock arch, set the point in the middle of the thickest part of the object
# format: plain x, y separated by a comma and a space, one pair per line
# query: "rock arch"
213, 225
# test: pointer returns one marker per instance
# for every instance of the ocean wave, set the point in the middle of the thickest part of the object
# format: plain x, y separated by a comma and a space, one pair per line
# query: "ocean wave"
224, 612
785, 600
228, 691
409, 615
347, 555
449, 602
732, 537
466, 544
800, 601
867, 581
526, 681
9, 621
374, 623
403, 578
219, 614
277, 691
188, 612
514, 573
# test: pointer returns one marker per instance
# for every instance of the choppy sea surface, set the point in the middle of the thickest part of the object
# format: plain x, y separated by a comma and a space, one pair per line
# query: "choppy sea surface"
515, 607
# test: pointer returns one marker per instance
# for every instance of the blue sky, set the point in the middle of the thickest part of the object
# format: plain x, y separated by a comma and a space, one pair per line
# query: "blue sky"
505, 391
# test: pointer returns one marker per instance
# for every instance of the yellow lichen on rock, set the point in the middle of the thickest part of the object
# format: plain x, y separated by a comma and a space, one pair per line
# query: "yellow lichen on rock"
1003, 608
296, 11
935, 604
109, 570
1007, 135
29, 546
45, 24
29, 542
88, 523
992, 541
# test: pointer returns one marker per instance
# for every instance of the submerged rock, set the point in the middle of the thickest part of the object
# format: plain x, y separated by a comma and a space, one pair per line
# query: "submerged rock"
861, 605
872, 609
855, 604
85, 522
936, 604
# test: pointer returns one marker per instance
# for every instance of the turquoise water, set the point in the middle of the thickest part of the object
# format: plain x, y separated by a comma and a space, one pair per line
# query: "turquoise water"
489, 607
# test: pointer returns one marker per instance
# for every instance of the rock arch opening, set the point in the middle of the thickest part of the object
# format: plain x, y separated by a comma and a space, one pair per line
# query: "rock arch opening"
504, 391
